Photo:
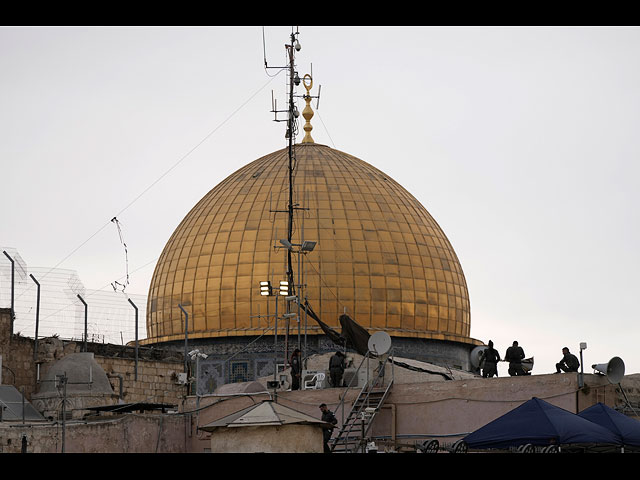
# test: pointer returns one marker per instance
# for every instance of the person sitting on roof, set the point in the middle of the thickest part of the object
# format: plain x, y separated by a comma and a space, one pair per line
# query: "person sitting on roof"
568, 363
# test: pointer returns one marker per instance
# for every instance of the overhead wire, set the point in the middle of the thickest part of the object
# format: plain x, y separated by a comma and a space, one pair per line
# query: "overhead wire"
325, 284
325, 129
115, 283
145, 191
155, 182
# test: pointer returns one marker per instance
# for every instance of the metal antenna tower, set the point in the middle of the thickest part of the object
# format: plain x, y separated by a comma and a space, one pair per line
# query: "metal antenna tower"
292, 129
291, 112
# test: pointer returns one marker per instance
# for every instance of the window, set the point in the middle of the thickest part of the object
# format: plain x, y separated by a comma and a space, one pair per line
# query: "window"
239, 372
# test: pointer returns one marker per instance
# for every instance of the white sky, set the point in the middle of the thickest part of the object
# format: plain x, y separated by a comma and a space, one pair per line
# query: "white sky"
523, 144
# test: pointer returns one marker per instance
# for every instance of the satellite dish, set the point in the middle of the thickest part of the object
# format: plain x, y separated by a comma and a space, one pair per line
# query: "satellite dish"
476, 353
379, 343
613, 369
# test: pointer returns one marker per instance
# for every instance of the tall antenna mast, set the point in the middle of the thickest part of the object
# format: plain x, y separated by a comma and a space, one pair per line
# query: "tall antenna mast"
291, 118
292, 115
291, 131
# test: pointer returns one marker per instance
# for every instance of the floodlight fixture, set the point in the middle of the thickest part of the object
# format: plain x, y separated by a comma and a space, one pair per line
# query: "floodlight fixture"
266, 289
284, 288
308, 246
286, 243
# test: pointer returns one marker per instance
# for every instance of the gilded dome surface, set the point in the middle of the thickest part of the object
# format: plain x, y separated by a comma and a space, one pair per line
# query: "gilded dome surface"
380, 256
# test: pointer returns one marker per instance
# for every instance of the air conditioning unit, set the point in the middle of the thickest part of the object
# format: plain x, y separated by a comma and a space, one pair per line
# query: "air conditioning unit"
350, 373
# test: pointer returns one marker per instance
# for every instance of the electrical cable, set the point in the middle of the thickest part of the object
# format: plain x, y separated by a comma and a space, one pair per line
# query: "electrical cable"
325, 129
156, 181
115, 283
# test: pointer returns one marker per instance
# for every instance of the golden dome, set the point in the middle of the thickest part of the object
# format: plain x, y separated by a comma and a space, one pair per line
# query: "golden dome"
379, 254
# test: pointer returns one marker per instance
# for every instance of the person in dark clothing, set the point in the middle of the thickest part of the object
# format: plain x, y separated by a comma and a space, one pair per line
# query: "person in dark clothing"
568, 363
329, 417
514, 356
296, 369
336, 369
489, 361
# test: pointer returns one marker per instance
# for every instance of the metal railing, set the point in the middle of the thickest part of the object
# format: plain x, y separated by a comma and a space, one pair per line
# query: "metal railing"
362, 401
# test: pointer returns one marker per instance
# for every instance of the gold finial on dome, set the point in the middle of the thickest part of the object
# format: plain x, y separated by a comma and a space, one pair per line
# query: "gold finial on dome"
307, 113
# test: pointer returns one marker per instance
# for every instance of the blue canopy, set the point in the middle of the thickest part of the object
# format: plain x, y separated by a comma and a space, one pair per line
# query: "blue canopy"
538, 423
625, 427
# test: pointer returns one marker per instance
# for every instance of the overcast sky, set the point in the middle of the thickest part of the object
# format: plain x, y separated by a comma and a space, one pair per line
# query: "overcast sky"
522, 143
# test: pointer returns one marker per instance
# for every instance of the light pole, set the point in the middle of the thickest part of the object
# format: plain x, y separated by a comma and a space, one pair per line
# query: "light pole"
35, 347
13, 279
61, 385
266, 290
303, 248
583, 346
85, 321
136, 347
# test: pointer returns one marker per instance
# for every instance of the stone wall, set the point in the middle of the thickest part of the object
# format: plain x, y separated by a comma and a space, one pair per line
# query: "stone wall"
269, 439
18, 366
157, 382
446, 410
246, 358
130, 433
157, 370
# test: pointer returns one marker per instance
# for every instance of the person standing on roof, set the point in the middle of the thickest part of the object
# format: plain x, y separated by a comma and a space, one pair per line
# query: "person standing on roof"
514, 356
490, 357
296, 369
336, 368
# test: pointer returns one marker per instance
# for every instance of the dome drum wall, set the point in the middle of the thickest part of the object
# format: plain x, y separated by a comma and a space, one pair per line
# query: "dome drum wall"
379, 255
243, 359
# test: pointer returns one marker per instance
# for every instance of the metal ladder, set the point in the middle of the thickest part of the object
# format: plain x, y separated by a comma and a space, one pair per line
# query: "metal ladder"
352, 434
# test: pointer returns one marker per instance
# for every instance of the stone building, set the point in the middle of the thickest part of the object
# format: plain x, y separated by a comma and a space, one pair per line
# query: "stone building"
420, 406
363, 246
267, 427
379, 256
105, 375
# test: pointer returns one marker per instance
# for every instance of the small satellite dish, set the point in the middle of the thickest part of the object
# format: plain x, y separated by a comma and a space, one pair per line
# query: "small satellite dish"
475, 355
379, 343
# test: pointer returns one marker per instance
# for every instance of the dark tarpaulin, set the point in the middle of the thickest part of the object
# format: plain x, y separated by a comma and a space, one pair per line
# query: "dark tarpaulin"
330, 332
539, 423
355, 336
626, 427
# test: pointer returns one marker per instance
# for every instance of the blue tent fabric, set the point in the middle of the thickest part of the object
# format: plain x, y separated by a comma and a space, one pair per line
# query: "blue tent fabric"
539, 423
628, 429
